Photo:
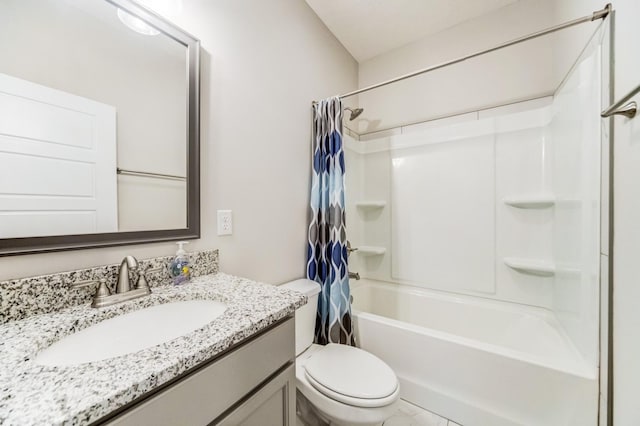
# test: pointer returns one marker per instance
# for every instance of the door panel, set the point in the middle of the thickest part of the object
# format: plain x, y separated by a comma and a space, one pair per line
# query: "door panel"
57, 162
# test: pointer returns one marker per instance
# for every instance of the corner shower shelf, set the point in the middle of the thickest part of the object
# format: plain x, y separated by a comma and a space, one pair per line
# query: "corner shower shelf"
538, 267
541, 201
370, 205
371, 250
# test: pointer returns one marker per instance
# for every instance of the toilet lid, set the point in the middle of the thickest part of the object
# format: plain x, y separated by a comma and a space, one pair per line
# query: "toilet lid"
353, 376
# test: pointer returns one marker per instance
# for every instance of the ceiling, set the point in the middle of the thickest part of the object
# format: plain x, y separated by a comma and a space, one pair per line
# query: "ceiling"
368, 28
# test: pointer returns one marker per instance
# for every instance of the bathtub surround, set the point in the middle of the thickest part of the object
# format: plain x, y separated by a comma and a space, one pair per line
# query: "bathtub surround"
25, 297
536, 216
81, 394
504, 204
421, 181
327, 262
508, 231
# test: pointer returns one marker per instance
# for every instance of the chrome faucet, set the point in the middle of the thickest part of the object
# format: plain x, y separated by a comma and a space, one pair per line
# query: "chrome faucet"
123, 285
104, 296
350, 250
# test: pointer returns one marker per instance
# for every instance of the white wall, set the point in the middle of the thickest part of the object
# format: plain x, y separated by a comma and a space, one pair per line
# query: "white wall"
262, 65
529, 70
510, 75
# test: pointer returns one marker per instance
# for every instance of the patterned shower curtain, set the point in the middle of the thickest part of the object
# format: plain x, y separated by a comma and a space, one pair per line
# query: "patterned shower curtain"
327, 247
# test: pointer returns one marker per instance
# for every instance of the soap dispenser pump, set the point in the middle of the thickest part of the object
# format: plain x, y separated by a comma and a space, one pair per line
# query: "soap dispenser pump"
180, 267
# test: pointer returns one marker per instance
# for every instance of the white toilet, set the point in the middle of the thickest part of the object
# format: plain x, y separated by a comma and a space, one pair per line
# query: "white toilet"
346, 385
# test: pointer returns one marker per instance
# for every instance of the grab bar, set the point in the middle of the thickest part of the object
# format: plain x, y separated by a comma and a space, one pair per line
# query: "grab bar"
621, 108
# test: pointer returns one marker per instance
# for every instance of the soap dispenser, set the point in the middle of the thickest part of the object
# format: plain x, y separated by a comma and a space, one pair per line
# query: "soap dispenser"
180, 267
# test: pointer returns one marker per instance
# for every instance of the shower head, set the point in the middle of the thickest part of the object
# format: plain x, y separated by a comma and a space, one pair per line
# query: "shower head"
354, 113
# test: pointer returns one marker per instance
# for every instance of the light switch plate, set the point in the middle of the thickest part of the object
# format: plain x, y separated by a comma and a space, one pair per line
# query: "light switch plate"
225, 222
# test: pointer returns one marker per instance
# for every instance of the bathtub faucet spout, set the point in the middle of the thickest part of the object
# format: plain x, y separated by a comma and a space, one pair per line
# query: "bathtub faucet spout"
354, 275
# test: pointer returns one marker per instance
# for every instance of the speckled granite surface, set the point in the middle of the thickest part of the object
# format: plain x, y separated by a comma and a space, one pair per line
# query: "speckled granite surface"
33, 394
24, 297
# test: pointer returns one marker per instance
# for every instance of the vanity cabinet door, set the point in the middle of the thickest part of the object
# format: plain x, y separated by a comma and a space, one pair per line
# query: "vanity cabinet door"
274, 404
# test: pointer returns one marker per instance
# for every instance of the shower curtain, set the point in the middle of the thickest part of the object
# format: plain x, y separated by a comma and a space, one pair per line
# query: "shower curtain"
327, 246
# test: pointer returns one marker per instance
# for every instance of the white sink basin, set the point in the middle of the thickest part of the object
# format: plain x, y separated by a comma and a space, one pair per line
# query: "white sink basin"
131, 332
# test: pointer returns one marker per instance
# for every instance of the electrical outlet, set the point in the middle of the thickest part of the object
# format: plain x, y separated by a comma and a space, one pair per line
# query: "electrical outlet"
225, 222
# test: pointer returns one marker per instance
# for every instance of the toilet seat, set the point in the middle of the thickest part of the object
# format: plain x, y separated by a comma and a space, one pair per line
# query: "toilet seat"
352, 376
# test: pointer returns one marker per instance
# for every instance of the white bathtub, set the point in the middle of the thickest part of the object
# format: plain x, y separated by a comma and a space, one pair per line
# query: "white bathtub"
476, 361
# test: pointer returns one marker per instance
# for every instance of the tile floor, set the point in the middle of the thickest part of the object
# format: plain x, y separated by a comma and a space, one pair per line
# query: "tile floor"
409, 415
412, 415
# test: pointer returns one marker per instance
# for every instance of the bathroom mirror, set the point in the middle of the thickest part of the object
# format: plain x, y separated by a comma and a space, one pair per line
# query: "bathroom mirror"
99, 126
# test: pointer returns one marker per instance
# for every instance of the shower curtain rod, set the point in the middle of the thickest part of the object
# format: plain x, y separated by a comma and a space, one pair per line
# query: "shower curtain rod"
599, 14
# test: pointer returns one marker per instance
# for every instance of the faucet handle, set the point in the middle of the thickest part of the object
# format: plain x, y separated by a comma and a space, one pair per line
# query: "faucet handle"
142, 277
103, 288
102, 293
142, 281
84, 283
102, 285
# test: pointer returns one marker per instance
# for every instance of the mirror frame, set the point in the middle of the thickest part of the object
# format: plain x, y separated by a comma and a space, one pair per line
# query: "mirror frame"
18, 246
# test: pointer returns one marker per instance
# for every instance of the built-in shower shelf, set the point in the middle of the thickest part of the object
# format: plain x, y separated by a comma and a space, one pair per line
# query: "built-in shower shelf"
538, 267
541, 201
371, 205
371, 250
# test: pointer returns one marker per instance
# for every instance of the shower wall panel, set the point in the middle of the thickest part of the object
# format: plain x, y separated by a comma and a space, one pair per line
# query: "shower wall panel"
443, 216
445, 224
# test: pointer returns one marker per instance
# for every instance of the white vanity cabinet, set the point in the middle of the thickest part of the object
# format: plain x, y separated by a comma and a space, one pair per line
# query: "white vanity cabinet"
251, 384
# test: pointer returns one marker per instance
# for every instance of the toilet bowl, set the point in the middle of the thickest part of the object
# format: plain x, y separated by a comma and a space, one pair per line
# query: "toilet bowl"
346, 385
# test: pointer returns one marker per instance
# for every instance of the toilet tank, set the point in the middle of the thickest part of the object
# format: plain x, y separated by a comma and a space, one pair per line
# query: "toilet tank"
305, 315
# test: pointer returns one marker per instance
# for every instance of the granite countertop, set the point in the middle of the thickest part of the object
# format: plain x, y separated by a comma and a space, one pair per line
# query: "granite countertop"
73, 395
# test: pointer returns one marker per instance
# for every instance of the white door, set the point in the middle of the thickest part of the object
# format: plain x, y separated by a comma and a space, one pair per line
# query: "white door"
57, 162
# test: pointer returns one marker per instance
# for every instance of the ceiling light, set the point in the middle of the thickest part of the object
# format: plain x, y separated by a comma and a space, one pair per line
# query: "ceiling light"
136, 24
